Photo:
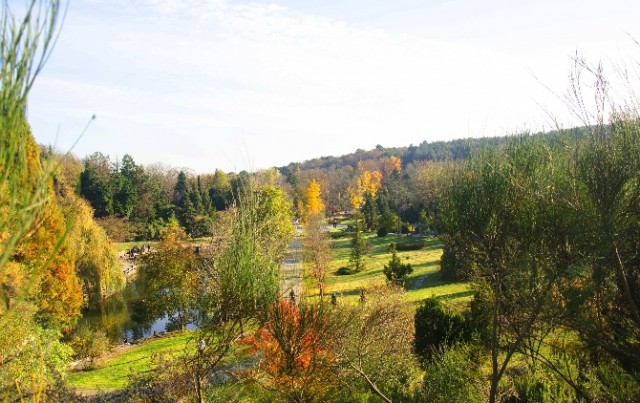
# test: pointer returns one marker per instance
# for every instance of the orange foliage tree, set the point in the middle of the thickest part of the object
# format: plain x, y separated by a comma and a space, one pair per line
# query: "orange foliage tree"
295, 360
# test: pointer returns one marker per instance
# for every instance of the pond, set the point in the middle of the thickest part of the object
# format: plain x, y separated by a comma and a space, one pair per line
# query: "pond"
123, 315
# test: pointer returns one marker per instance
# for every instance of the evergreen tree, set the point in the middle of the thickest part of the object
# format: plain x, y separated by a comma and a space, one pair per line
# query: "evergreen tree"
396, 271
369, 212
358, 246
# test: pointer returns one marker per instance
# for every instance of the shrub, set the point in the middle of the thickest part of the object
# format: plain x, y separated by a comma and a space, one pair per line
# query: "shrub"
89, 344
341, 234
436, 328
396, 271
343, 271
414, 244
382, 232
453, 378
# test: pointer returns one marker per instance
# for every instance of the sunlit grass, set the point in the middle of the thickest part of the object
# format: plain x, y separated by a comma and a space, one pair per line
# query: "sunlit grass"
424, 282
112, 372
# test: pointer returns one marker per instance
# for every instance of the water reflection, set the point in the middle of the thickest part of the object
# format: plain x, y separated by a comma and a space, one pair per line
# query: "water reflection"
125, 315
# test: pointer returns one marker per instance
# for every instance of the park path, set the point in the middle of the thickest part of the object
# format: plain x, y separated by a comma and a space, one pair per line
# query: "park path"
292, 268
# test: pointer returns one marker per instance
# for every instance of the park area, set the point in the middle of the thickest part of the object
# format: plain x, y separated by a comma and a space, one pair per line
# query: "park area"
115, 370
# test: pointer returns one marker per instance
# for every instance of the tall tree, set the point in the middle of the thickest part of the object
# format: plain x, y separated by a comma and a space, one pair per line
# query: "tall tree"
358, 246
317, 249
313, 199
172, 277
96, 184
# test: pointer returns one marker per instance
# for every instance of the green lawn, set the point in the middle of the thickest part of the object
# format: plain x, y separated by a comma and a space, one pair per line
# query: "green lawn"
112, 372
424, 282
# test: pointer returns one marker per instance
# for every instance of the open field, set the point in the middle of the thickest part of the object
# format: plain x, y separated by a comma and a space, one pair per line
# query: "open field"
424, 282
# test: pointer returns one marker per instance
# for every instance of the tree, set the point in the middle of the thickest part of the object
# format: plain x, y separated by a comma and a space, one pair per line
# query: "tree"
505, 223
31, 353
396, 271
220, 190
313, 199
96, 184
239, 273
372, 344
358, 246
317, 247
369, 212
436, 329
172, 277
293, 346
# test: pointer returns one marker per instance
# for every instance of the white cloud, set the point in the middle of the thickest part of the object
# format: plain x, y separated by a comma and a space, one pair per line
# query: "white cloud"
198, 83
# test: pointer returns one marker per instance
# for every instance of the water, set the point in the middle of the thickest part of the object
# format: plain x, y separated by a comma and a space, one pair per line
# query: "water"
124, 315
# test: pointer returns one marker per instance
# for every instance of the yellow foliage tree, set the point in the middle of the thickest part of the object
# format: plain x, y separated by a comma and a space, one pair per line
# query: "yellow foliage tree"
367, 182
313, 199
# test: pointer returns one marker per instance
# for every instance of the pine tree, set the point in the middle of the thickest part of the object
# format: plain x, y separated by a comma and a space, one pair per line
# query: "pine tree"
358, 247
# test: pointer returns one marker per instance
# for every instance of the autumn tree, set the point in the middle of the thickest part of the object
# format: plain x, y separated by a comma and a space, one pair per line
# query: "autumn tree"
368, 182
31, 354
317, 249
293, 346
313, 199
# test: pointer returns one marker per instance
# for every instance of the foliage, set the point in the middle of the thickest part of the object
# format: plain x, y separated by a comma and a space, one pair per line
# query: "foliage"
172, 277
313, 199
409, 244
368, 182
396, 271
358, 247
453, 377
436, 329
293, 345
89, 344
317, 248
372, 344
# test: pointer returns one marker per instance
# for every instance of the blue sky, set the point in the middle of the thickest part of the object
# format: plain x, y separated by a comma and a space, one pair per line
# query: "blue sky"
248, 85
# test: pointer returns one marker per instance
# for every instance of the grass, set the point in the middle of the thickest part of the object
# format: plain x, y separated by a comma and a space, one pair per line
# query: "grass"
112, 372
424, 282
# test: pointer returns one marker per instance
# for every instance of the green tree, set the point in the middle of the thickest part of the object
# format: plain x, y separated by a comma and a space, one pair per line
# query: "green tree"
172, 277
358, 246
96, 184
396, 271
369, 211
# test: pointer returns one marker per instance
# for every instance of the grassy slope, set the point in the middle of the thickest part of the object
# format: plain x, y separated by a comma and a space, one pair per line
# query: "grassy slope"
424, 282
112, 372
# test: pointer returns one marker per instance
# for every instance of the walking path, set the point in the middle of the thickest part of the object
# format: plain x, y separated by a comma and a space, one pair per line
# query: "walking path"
292, 268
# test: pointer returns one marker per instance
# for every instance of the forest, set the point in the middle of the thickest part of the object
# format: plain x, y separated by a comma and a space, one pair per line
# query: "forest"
539, 232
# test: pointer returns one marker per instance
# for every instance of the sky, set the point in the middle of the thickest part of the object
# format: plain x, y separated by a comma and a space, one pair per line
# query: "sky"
235, 85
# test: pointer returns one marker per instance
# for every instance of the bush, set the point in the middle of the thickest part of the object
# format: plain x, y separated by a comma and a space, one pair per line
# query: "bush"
396, 271
382, 232
89, 344
436, 328
413, 244
453, 378
343, 271
341, 234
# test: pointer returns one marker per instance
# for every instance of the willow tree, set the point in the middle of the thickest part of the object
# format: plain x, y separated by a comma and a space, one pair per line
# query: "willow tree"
38, 293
